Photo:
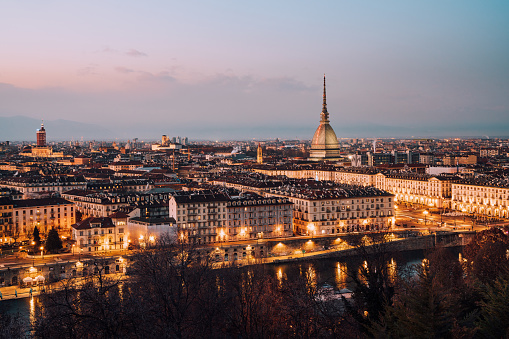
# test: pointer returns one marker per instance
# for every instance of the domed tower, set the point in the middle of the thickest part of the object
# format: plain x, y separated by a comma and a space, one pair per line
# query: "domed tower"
41, 136
325, 145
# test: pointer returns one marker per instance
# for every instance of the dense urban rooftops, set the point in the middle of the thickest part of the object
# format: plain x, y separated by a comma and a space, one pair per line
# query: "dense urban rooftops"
317, 190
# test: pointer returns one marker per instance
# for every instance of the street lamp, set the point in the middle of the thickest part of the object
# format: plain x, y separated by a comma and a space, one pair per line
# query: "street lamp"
42, 251
425, 215
311, 229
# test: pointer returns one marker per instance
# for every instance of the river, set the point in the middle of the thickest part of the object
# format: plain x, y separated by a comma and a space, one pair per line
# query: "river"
333, 271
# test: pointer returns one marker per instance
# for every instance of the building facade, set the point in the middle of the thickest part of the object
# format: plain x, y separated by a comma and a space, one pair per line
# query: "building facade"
100, 234
322, 208
213, 216
46, 214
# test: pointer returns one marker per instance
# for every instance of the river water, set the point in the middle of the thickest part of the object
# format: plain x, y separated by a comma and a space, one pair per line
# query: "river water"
333, 271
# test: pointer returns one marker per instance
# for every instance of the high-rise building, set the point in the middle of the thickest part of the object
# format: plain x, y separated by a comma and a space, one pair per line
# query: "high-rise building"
325, 145
41, 136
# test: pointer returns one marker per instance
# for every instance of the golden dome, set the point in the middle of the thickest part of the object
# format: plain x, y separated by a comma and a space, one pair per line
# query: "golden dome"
325, 137
325, 145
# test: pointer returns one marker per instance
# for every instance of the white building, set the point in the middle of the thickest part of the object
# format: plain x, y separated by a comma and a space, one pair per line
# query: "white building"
101, 234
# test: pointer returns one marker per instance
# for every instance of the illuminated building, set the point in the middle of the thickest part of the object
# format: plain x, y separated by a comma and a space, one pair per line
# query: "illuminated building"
328, 208
31, 186
41, 150
213, 216
6, 224
325, 145
259, 154
46, 214
41, 136
481, 197
101, 234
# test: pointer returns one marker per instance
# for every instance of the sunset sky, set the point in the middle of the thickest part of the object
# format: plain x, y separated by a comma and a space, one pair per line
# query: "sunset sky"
239, 69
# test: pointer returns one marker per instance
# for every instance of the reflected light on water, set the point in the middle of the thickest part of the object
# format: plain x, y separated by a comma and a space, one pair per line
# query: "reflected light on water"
311, 274
392, 270
279, 276
341, 275
32, 310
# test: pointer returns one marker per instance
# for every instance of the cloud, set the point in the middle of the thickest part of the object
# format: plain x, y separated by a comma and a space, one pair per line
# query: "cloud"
124, 70
88, 70
135, 53
250, 83
108, 50
160, 76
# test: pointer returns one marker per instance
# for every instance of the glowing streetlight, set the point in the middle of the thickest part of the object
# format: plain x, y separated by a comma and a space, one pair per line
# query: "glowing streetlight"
425, 215
42, 251
311, 229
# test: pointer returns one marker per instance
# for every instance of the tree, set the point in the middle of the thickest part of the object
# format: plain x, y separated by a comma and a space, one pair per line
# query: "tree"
13, 326
486, 255
434, 304
481, 238
53, 242
37, 237
374, 283
494, 318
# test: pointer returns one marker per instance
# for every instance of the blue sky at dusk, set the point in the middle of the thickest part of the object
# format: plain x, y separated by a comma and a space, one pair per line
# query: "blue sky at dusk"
232, 69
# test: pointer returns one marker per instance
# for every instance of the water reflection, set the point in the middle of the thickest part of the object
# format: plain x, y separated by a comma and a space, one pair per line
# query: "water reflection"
32, 310
341, 275
311, 275
279, 276
392, 269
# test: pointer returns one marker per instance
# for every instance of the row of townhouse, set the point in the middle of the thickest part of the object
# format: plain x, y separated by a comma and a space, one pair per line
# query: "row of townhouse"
481, 197
118, 230
45, 214
35, 185
101, 204
323, 208
215, 216
486, 197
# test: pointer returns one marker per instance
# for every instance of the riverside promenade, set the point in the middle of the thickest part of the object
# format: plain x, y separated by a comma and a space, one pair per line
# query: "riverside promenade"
67, 266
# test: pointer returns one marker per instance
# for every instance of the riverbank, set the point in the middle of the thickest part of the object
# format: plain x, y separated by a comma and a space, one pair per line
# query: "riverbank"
277, 251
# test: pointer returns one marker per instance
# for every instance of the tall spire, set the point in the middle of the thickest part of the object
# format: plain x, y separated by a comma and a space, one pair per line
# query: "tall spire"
325, 115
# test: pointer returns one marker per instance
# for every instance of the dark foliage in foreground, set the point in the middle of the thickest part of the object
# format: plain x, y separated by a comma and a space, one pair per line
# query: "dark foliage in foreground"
171, 292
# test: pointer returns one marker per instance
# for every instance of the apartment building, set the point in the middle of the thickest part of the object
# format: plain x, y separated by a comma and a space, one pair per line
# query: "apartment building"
216, 216
97, 234
483, 196
329, 208
46, 214
35, 185
6, 223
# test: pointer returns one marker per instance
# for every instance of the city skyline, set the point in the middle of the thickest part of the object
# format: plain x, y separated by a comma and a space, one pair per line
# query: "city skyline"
229, 71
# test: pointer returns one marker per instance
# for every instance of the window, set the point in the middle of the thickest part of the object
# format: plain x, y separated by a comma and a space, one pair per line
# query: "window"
120, 230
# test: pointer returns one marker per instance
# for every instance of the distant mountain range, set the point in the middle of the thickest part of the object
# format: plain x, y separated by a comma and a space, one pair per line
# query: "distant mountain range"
21, 128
